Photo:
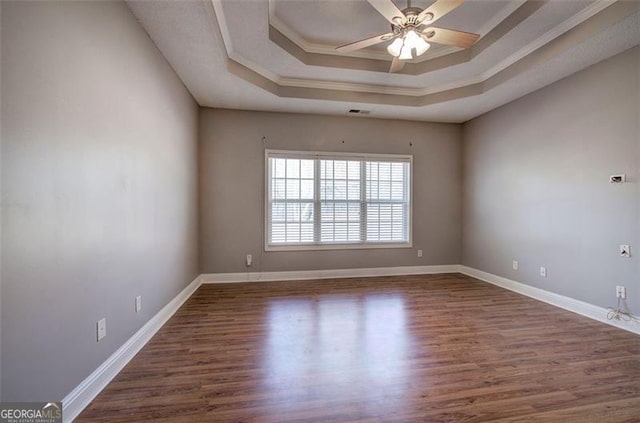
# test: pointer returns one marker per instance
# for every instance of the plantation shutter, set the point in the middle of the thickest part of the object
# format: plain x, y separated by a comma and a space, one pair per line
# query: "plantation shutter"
333, 199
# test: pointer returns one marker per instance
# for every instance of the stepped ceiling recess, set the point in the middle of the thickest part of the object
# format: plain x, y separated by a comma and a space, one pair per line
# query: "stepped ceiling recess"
279, 55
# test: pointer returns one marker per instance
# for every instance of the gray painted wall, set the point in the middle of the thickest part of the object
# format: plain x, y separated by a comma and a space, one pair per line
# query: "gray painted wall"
536, 185
1, 206
232, 186
99, 186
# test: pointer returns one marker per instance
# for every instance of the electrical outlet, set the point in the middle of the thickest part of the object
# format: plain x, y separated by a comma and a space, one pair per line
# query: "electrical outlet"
249, 260
621, 292
625, 251
543, 272
419, 253
618, 179
101, 328
514, 265
138, 303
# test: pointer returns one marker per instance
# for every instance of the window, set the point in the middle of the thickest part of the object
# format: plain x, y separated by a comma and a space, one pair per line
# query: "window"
337, 200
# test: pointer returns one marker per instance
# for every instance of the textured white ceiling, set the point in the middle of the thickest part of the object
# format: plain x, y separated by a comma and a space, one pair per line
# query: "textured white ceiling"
189, 35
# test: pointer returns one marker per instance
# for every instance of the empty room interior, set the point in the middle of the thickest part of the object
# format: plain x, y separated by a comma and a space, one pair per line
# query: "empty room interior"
320, 210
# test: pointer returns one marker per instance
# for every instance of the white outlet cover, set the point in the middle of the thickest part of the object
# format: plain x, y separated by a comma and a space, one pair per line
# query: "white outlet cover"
625, 250
101, 328
543, 272
515, 265
618, 179
138, 303
419, 253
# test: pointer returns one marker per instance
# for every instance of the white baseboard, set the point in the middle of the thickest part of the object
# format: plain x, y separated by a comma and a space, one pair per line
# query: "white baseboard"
83, 394
326, 274
571, 304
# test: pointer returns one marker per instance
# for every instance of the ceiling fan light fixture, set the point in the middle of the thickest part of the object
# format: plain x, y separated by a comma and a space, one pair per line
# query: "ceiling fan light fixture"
402, 48
421, 47
405, 53
411, 37
395, 47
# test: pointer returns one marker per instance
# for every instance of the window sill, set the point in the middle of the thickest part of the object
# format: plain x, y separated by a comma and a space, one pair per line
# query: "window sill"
369, 246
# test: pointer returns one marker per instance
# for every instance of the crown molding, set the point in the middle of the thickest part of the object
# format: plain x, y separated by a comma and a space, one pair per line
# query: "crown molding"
326, 49
502, 14
514, 16
572, 22
221, 23
317, 51
387, 94
372, 88
310, 47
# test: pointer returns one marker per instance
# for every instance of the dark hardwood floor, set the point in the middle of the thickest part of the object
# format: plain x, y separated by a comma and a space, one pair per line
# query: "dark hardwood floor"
438, 348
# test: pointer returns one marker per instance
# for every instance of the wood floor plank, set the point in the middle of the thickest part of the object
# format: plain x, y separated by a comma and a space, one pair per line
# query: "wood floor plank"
419, 348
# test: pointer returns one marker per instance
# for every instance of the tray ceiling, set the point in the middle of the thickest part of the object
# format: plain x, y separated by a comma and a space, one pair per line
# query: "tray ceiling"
279, 55
306, 23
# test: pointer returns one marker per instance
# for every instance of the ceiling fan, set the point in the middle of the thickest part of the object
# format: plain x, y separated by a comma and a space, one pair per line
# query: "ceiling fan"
411, 31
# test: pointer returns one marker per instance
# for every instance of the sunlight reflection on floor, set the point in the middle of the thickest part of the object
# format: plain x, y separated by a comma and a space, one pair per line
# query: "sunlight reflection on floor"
349, 347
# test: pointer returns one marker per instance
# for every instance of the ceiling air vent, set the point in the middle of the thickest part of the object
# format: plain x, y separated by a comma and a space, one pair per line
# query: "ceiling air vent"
359, 112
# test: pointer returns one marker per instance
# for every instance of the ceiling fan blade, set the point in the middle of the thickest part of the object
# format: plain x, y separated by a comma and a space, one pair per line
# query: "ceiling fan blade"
396, 65
450, 37
389, 10
438, 10
366, 42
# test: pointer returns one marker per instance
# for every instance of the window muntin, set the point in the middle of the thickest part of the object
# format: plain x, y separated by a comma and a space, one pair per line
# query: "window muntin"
337, 200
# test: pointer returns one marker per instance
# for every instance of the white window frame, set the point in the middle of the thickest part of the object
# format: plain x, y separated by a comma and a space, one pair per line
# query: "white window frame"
334, 156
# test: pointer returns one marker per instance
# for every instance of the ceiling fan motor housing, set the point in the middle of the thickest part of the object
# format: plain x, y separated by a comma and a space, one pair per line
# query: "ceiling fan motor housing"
411, 14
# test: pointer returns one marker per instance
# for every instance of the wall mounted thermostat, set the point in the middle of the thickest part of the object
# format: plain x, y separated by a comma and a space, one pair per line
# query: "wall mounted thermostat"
618, 179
